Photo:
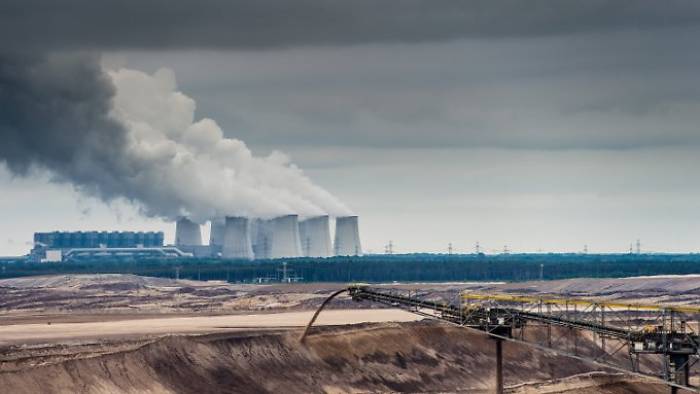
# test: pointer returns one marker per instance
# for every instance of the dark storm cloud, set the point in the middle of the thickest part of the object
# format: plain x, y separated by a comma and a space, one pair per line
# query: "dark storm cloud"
130, 136
113, 24
588, 91
54, 114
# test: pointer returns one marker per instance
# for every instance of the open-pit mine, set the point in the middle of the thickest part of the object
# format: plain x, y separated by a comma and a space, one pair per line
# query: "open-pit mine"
123, 333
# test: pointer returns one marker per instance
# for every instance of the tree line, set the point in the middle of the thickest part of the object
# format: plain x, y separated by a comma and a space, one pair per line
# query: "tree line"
382, 268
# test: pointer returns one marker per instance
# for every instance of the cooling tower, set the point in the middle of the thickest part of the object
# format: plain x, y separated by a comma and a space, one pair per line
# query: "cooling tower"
237, 243
347, 236
216, 233
315, 237
277, 238
187, 233
260, 235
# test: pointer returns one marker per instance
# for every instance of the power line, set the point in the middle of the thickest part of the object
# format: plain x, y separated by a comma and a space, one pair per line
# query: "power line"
389, 248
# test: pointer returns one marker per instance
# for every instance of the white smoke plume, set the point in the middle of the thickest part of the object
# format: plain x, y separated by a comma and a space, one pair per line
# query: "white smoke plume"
186, 167
127, 134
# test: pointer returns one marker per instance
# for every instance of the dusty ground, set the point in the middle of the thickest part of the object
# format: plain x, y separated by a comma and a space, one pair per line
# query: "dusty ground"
114, 333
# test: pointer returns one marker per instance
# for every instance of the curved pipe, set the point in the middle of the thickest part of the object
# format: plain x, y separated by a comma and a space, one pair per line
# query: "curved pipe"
318, 311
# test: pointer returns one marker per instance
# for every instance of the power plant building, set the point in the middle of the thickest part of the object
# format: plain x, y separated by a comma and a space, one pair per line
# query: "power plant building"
98, 239
59, 246
232, 237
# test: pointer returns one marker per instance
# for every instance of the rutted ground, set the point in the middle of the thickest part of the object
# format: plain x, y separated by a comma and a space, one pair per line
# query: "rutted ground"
410, 357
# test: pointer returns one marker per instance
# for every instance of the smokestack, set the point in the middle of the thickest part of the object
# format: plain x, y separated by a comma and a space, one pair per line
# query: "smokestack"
315, 237
216, 233
237, 243
277, 238
187, 233
347, 236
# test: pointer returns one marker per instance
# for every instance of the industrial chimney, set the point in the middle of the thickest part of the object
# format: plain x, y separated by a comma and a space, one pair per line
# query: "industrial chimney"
237, 243
187, 233
315, 237
347, 236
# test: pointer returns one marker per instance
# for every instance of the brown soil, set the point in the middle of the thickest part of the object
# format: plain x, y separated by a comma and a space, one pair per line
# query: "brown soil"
388, 357
104, 334
114, 294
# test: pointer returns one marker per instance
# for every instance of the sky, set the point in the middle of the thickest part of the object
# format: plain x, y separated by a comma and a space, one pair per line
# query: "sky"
538, 126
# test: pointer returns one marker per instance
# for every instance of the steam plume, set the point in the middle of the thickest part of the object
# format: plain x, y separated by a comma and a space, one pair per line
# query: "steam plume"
127, 134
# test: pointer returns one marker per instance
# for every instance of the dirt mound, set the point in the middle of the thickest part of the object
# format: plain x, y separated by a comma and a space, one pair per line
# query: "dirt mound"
414, 357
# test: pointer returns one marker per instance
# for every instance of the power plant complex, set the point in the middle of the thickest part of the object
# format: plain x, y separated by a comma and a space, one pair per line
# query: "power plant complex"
231, 237
235, 237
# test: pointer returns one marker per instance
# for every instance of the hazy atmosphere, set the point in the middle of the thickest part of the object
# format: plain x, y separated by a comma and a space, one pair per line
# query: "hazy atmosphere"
546, 126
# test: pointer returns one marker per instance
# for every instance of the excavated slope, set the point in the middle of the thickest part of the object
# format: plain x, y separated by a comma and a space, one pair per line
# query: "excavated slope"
410, 357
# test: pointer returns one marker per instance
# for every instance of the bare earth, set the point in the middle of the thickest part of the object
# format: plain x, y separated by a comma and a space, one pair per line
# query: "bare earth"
122, 333
33, 333
416, 357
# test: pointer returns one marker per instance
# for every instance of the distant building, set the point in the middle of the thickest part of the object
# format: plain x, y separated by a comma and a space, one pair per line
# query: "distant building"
60, 246
99, 239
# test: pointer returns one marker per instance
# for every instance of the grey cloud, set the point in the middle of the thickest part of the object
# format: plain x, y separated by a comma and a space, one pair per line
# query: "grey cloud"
108, 136
587, 91
254, 24
54, 114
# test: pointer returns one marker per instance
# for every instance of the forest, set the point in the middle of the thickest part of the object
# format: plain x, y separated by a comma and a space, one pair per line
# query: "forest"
383, 268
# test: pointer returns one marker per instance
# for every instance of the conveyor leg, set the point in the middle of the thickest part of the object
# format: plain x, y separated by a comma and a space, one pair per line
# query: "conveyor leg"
499, 366
681, 370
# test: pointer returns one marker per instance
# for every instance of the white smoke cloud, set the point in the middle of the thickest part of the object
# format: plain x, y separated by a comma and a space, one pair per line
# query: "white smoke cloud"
179, 166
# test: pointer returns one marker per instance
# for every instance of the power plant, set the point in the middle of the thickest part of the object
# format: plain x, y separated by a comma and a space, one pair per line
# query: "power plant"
347, 236
284, 237
187, 233
232, 237
97, 239
287, 236
236, 242
59, 246
315, 237
216, 233
276, 238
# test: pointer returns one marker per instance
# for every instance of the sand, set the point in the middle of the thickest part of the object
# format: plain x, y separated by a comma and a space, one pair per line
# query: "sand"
40, 333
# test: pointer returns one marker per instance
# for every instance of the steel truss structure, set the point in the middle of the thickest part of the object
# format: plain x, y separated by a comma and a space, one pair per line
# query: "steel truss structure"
655, 341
